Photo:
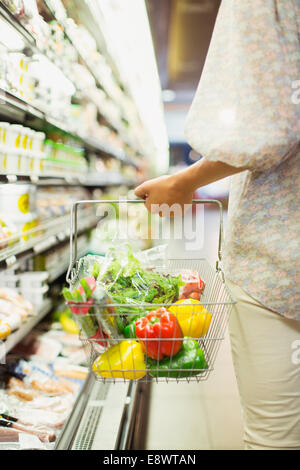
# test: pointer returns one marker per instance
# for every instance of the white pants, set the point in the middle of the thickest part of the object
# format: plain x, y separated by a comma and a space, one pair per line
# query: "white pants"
266, 356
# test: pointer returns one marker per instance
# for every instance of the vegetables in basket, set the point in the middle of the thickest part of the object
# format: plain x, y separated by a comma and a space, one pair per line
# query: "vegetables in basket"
127, 282
188, 362
129, 330
95, 321
160, 333
193, 318
124, 360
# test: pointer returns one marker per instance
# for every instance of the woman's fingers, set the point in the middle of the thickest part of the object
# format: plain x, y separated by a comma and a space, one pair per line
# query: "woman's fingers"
141, 191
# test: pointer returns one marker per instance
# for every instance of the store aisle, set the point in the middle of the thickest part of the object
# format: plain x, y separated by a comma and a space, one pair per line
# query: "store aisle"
191, 415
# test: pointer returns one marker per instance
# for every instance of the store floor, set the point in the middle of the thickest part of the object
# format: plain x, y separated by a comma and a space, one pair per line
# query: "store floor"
195, 415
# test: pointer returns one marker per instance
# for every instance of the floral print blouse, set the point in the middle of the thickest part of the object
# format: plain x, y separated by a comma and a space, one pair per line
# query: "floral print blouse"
246, 112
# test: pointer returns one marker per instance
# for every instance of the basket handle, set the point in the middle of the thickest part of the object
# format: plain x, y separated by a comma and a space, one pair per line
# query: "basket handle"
74, 227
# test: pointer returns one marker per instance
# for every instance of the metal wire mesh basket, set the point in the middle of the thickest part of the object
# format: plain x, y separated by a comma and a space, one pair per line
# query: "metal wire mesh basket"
168, 341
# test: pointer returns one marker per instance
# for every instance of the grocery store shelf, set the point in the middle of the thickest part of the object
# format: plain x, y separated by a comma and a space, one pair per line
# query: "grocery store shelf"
89, 180
27, 326
13, 21
94, 145
28, 38
15, 108
32, 46
99, 82
43, 237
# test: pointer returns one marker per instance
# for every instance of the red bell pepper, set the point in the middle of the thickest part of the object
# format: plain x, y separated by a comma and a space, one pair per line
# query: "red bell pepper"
160, 333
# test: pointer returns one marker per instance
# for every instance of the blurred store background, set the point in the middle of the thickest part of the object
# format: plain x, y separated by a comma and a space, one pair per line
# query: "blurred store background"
181, 31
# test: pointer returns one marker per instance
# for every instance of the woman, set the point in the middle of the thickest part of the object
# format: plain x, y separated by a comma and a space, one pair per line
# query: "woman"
245, 121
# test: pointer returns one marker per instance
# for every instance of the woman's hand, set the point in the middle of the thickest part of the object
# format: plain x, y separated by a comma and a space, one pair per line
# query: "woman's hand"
177, 190
166, 195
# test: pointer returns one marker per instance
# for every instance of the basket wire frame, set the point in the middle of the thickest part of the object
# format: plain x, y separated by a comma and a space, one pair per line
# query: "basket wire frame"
216, 298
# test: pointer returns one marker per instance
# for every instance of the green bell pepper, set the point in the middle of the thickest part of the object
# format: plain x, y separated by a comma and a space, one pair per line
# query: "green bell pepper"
129, 330
190, 358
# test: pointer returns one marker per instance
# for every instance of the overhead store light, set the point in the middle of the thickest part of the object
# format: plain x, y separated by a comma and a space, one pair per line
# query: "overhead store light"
125, 27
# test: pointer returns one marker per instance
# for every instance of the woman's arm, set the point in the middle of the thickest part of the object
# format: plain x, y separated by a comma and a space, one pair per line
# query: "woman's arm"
180, 187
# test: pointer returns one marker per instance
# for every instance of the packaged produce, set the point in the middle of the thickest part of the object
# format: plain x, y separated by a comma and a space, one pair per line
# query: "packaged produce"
162, 326
124, 360
95, 321
193, 284
127, 282
193, 318
188, 362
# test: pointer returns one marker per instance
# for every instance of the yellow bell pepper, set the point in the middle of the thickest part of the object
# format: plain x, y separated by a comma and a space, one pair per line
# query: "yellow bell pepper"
193, 318
68, 324
124, 360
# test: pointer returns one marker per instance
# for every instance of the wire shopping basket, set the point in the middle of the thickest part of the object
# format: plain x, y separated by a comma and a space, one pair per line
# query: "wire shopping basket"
177, 339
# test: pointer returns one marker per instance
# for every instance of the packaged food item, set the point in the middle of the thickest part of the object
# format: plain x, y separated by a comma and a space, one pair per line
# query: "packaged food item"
9, 308
4, 126
39, 347
12, 162
15, 199
27, 224
8, 231
35, 417
5, 330
14, 136
33, 280
13, 320
36, 295
9, 435
71, 371
13, 296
